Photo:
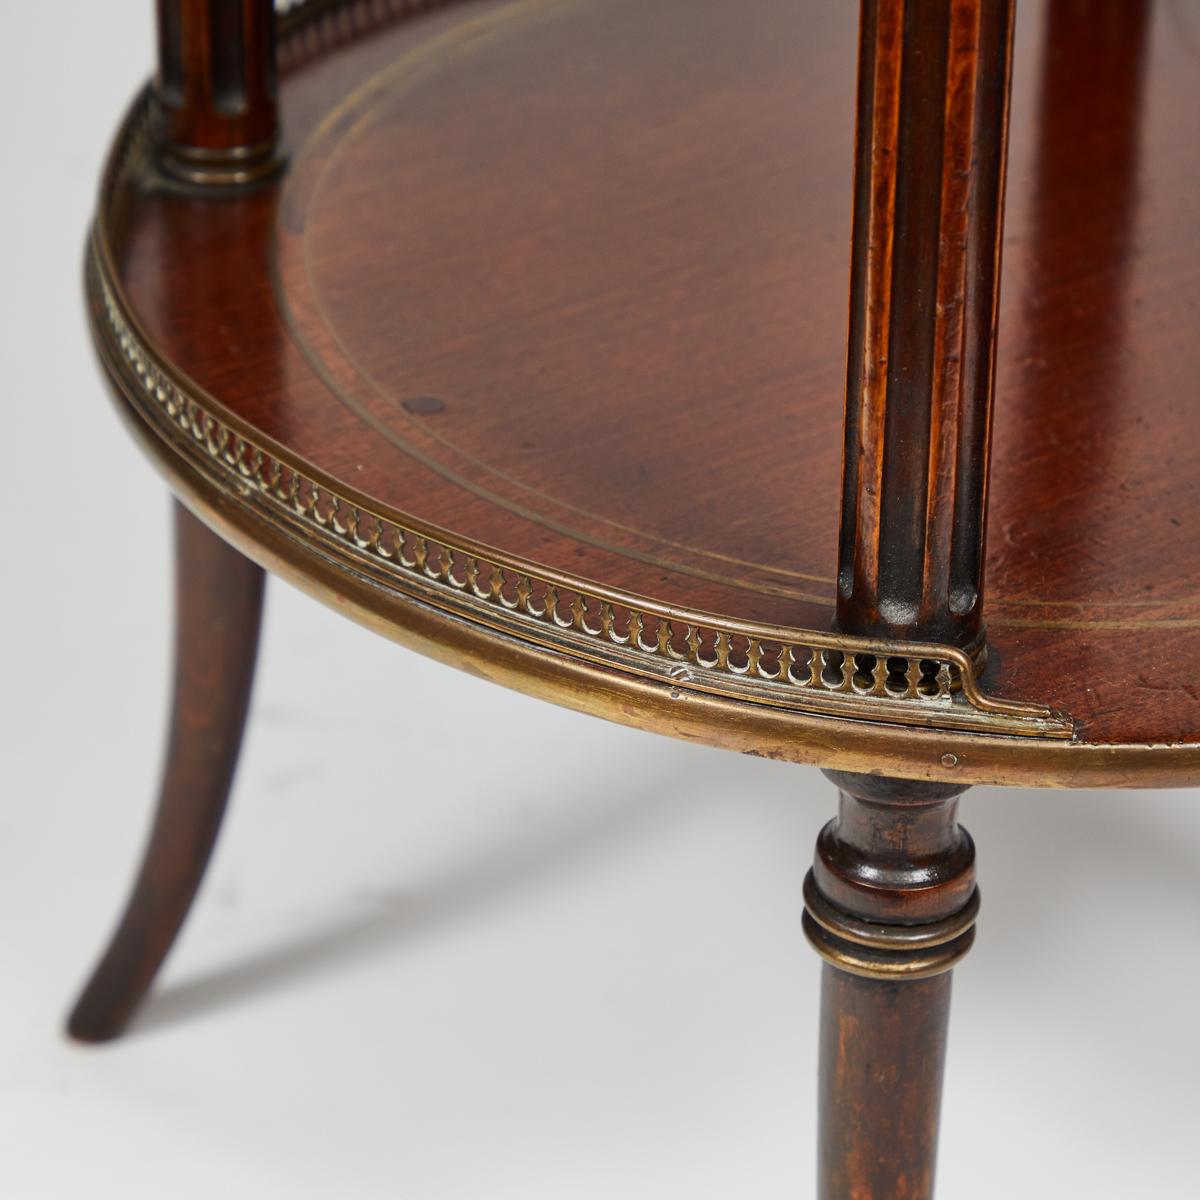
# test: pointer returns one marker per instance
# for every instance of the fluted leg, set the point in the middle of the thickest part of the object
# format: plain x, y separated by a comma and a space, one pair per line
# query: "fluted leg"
218, 611
890, 905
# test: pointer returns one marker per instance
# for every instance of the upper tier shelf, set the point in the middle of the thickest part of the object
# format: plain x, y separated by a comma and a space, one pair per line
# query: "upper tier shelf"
534, 358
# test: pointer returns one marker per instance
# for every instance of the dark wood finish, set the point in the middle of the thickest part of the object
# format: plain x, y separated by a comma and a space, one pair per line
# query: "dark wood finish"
882, 1054
933, 90
219, 603
564, 284
638, 345
568, 281
896, 858
892, 867
216, 90
924, 281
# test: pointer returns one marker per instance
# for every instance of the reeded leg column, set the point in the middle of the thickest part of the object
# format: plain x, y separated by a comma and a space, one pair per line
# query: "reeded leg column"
218, 611
933, 85
215, 92
891, 899
890, 905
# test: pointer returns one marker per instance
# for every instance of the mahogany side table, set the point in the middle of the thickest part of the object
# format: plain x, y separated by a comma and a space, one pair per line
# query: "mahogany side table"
515, 330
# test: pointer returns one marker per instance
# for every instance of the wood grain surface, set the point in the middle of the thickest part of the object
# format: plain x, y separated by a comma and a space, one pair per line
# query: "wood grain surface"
572, 279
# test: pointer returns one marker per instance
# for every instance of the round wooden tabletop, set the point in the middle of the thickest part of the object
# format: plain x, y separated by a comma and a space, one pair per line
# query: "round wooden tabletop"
534, 357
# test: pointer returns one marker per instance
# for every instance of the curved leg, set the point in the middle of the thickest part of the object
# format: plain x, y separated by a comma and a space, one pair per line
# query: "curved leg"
890, 906
218, 611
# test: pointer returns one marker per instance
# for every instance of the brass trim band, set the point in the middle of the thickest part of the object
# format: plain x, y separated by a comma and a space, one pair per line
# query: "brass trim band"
236, 167
891, 952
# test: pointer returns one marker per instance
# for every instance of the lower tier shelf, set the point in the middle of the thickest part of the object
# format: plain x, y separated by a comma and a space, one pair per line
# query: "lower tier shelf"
532, 359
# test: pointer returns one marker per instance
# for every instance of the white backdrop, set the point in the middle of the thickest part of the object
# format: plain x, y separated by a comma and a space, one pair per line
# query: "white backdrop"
581, 975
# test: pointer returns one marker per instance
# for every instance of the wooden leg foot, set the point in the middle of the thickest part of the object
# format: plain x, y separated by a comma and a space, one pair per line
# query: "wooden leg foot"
218, 612
890, 905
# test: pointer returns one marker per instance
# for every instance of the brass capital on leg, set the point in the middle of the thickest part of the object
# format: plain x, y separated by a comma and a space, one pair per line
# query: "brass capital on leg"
892, 892
890, 905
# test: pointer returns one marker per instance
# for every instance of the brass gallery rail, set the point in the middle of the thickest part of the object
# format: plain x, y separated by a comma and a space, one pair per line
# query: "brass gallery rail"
814, 671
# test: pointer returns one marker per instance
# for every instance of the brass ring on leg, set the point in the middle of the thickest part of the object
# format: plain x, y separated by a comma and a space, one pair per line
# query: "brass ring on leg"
892, 951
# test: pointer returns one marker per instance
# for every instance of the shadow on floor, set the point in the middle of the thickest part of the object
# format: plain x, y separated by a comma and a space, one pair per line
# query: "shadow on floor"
1047, 853
598, 826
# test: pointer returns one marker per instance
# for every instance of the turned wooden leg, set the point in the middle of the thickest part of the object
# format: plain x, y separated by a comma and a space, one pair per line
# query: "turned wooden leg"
890, 905
218, 610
